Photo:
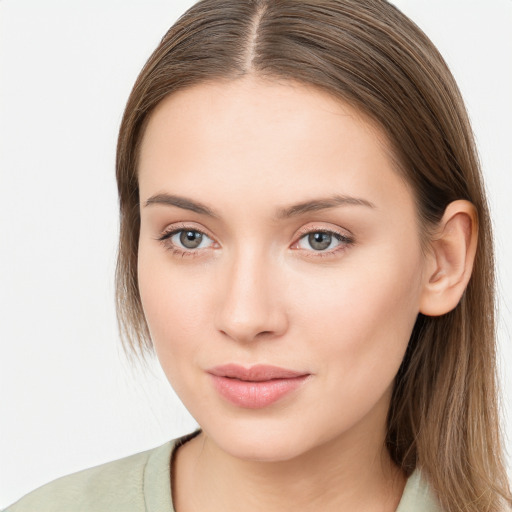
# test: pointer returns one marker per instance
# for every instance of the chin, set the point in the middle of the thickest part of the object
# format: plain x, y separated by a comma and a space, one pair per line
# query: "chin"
261, 450
262, 441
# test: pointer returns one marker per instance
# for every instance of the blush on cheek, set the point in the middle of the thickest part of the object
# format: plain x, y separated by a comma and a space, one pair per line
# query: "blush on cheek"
366, 329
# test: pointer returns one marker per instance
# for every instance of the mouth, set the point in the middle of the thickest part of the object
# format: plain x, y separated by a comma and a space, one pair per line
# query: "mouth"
255, 387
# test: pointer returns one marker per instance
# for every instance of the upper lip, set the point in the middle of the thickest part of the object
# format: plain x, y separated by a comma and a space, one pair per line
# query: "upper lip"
256, 373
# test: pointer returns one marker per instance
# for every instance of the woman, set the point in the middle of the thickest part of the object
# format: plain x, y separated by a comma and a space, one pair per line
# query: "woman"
305, 243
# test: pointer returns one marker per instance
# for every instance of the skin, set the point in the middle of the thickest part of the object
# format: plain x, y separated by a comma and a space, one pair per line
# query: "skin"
257, 292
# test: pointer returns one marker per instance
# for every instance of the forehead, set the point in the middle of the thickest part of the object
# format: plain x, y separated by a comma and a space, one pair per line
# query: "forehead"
252, 136
253, 104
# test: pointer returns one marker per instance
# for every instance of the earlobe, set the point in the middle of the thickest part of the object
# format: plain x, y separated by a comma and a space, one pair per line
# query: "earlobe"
450, 262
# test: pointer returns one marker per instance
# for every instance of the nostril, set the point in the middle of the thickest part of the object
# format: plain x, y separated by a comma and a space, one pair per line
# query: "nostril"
247, 311
258, 334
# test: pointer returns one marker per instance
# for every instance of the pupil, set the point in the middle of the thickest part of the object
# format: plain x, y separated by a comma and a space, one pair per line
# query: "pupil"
319, 241
191, 239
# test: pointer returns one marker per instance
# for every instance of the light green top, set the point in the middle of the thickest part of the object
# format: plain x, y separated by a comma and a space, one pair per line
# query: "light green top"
142, 483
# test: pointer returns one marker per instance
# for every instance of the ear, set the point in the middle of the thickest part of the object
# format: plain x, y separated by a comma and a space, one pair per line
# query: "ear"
450, 261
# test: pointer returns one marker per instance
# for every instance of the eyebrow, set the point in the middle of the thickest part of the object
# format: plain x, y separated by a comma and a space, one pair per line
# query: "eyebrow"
295, 210
180, 202
322, 204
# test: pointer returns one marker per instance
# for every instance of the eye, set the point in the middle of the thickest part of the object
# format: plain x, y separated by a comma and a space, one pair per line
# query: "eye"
189, 239
184, 240
322, 241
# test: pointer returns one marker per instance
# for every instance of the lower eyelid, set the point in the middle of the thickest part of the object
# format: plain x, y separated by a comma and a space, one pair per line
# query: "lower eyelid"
343, 239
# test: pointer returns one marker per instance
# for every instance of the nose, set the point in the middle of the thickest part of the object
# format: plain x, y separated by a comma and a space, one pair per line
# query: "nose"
250, 302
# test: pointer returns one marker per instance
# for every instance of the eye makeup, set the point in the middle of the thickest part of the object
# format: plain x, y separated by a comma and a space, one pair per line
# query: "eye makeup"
186, 240
323, 242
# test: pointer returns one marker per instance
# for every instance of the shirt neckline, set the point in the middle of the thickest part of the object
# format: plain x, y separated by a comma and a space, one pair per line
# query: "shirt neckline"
157, 482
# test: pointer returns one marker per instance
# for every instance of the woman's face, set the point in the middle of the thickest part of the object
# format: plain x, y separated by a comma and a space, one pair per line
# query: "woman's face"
280, 266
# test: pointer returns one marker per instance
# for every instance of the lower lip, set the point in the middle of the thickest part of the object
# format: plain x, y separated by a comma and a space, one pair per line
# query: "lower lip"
256, 395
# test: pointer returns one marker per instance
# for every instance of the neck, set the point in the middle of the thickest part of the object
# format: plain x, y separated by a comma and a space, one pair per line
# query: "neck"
353, 472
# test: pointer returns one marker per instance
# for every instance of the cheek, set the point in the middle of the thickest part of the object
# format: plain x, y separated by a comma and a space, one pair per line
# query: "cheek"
363, 316
357, 330
175, 311
174, 306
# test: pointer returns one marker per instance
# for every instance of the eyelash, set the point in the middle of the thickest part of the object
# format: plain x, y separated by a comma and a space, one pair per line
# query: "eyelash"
344, 240
166, 236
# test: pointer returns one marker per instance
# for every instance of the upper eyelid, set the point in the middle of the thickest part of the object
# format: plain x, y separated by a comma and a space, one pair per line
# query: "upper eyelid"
176, 228
305, 230
343, 239
165, 238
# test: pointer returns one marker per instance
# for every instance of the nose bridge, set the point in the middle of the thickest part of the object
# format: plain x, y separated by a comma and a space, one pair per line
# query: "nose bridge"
250, 303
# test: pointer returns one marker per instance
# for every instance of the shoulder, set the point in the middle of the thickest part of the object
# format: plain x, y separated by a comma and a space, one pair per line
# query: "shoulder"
418, 495
120, 485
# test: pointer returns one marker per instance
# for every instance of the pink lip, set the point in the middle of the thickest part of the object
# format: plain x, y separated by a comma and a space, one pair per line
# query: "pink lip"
257, 386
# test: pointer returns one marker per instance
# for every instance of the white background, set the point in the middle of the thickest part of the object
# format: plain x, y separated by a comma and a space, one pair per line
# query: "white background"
68, 397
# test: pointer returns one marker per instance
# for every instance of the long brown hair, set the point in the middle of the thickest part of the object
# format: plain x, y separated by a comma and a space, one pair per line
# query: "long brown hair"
444, 412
